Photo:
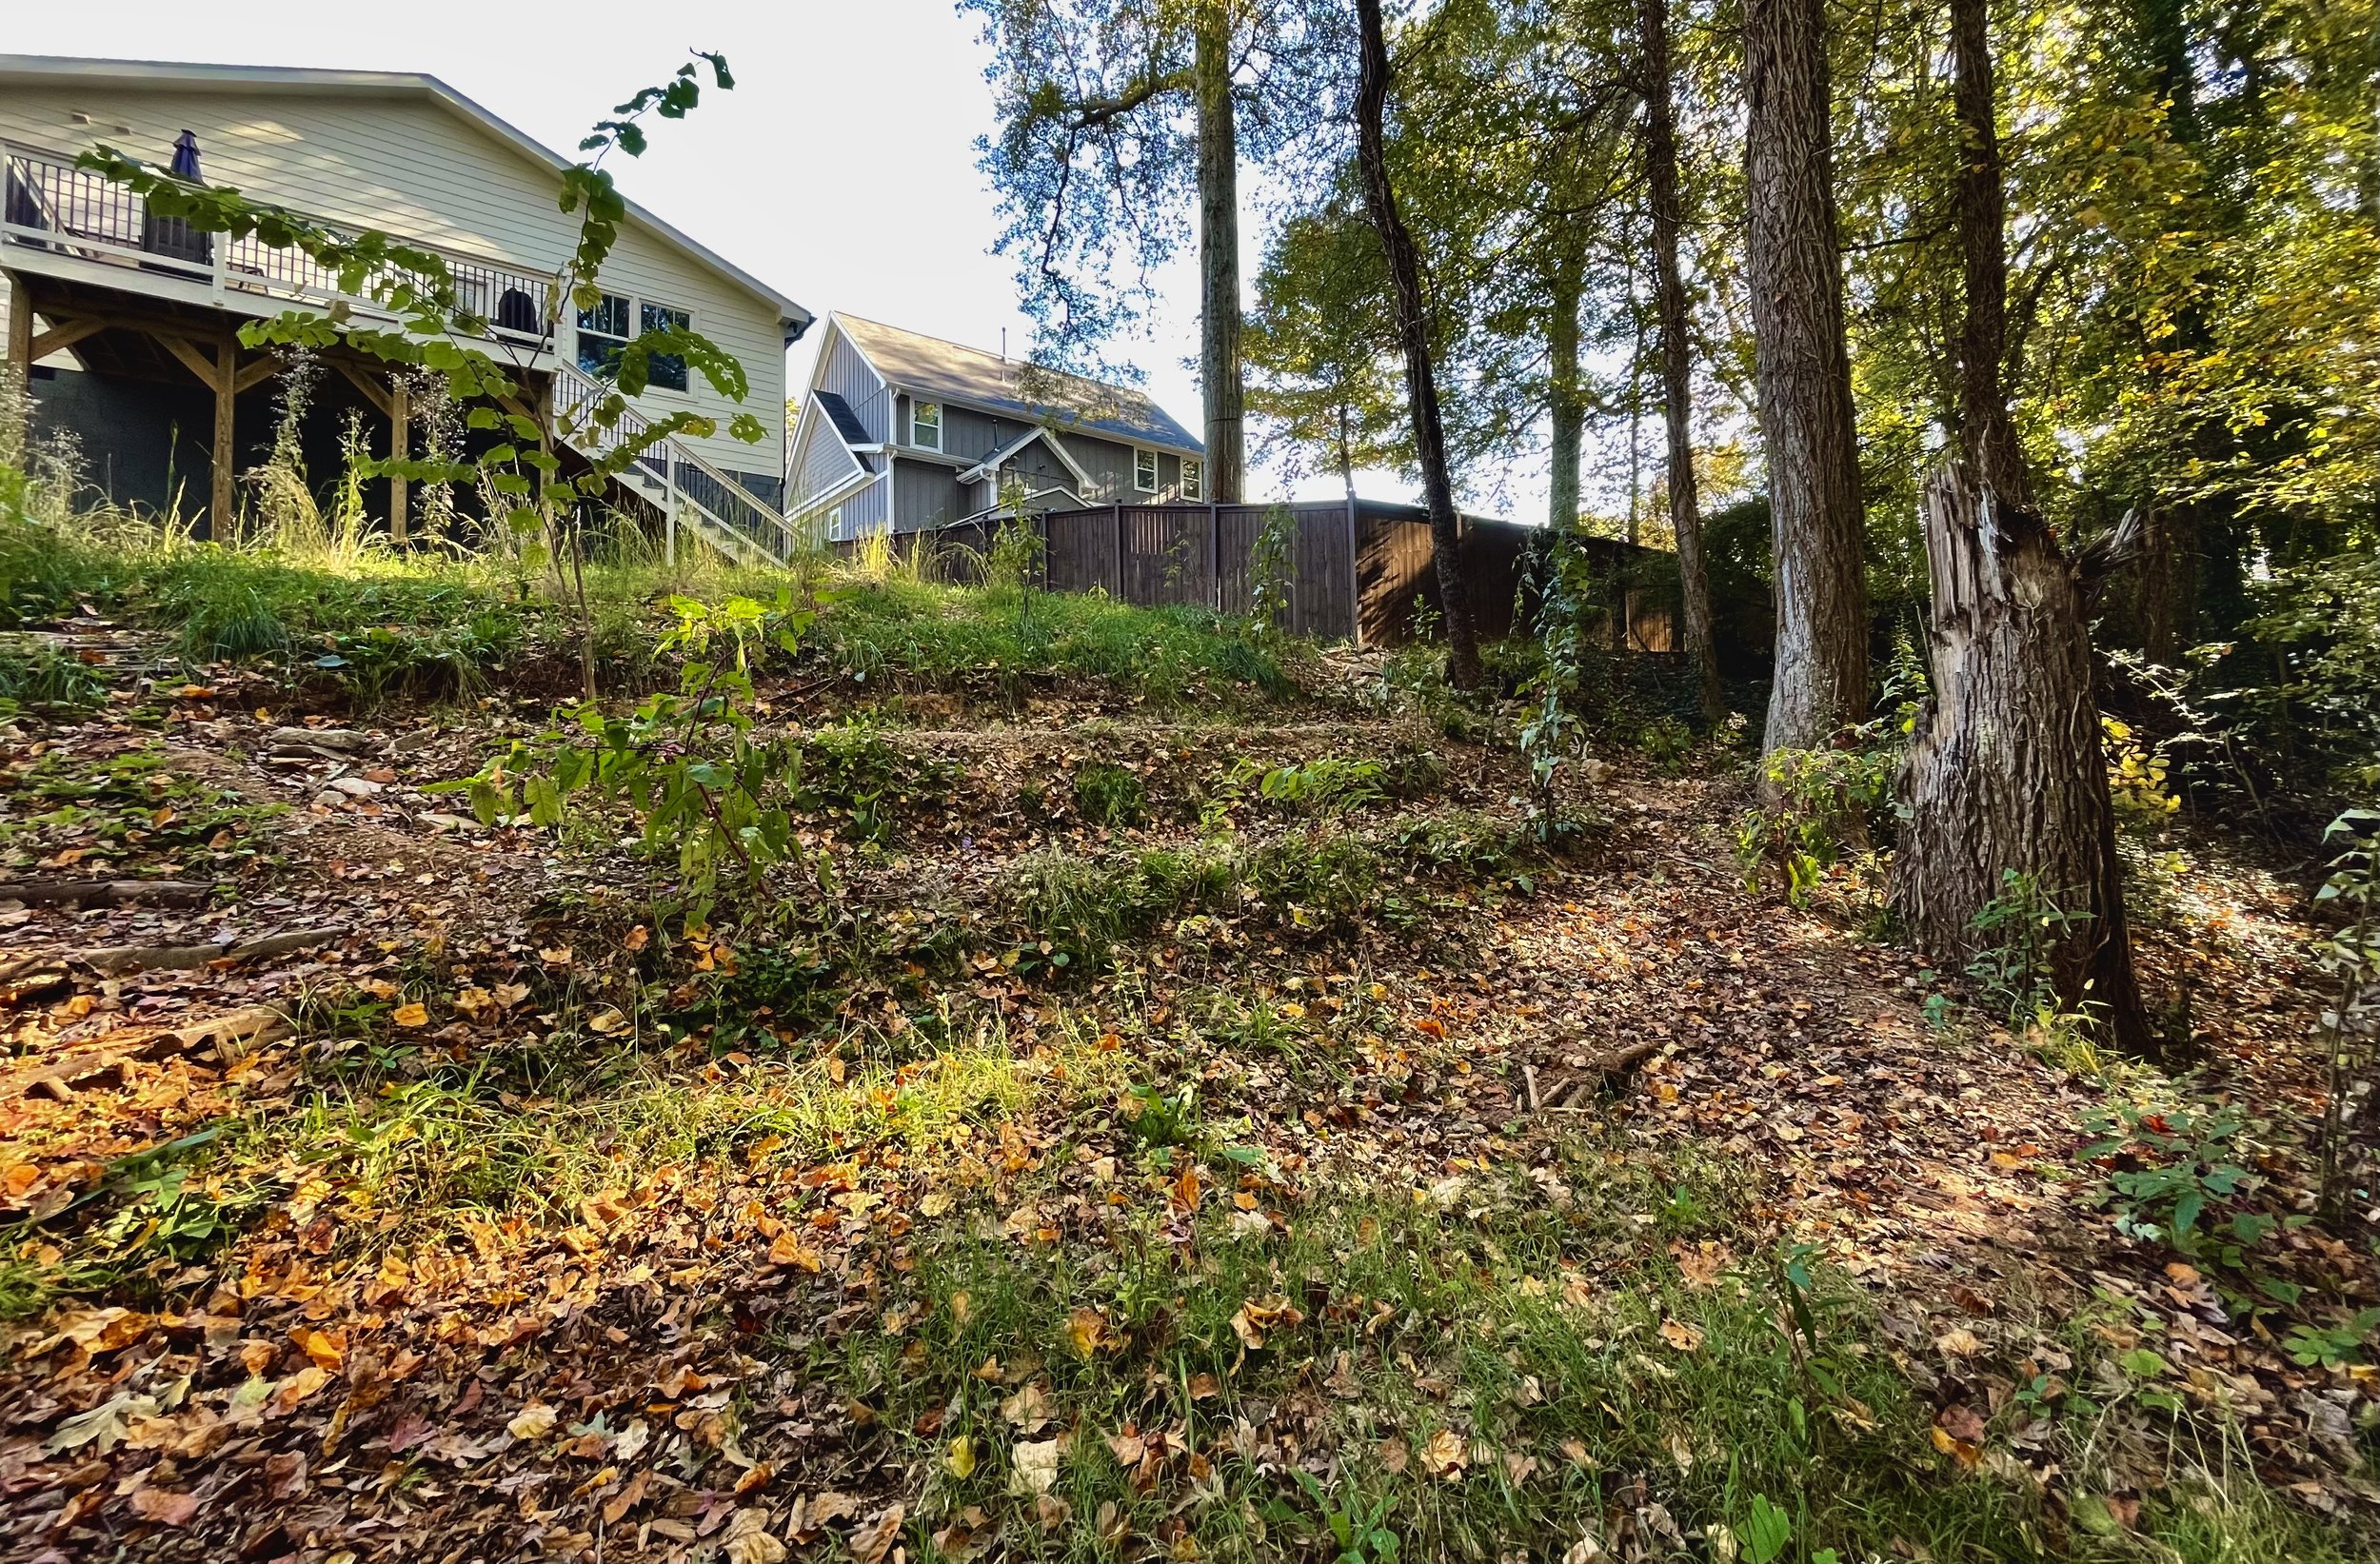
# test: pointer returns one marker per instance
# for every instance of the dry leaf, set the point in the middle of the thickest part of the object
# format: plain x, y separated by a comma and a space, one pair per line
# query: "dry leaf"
533, 1422
163, 1507
871, 1542
750, 1542
1036, 1468
411, 1014
961, 1457
1680, 1335
1445, 1455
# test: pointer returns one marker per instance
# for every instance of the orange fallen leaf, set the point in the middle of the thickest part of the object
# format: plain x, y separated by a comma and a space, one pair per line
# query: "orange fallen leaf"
411, 1014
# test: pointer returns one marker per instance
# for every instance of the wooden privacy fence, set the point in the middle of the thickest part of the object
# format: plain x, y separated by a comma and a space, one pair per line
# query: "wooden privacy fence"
1198, 554
1356, 572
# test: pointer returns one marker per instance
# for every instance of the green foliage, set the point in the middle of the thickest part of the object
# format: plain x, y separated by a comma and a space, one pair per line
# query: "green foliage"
1553, 737
2175, 1176
1271, 572
43, 679
1358, 1522
1110, 794
1329, 785
1666, 742
1826, 802
853, 771
2333, 1346
2017, 932
710, 789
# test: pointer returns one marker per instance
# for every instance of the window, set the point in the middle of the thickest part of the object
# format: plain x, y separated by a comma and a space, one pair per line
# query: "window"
925, 426
1193, 479
667, 370
1144, 471
603, 332
834, 523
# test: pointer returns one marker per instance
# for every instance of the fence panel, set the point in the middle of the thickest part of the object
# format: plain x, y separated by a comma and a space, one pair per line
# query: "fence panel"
1078, 550
1169, 554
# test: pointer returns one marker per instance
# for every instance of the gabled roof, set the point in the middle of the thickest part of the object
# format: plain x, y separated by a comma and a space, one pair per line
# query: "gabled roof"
32, 69
930, 367
991, 464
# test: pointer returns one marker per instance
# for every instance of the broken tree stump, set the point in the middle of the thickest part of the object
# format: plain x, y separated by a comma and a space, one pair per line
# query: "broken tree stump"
2006, 771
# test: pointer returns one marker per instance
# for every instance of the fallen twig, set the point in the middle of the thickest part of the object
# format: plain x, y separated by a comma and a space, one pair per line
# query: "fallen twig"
89, 893
120, 960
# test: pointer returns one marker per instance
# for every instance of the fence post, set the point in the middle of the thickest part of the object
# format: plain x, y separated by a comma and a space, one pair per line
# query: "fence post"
1215, 552
1355, 581
1118, 509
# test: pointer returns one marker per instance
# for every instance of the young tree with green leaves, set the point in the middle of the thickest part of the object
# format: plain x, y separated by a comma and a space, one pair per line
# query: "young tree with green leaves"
1320, 348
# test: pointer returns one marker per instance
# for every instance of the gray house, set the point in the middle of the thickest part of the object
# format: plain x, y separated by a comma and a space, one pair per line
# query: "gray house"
908, 432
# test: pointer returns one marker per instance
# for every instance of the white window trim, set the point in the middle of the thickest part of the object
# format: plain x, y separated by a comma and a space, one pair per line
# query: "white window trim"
636, 323
941, 412
1139, 487
1190, 464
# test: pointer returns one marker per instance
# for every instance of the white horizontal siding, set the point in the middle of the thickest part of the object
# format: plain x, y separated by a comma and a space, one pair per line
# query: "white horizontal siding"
419, 172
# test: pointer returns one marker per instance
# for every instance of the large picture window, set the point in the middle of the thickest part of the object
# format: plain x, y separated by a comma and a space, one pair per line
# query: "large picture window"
925, 426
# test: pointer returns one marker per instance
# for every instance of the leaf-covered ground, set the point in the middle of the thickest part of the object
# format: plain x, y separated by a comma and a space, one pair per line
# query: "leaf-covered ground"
1094, 1151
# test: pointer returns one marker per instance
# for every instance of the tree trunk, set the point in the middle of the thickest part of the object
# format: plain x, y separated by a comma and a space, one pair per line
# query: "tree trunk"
1804, 372
1669, 298
1986, 431
1566, 409
1219, 256
2005, 772
1413, 332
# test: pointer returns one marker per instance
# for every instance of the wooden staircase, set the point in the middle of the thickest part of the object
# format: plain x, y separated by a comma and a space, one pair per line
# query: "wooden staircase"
675, 481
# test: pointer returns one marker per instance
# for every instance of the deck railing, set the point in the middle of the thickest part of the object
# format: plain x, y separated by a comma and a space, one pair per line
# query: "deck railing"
47, 203
692, 486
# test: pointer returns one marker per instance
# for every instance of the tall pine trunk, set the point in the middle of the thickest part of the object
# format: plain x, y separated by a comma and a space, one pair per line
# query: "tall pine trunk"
1685, 505
1412, 333
1220, 366
2006, 775
1566, 409
1803, 367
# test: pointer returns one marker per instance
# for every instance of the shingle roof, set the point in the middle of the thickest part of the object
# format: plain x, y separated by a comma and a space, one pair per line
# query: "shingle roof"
931, 368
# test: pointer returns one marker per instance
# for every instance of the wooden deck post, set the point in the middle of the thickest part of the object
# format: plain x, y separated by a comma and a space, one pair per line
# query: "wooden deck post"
221, 525
20, 339
400, 448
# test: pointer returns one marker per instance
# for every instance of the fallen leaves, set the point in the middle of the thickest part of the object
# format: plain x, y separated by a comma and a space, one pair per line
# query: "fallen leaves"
1257, 1316
1681, 1334
533, 1422
1033, 1467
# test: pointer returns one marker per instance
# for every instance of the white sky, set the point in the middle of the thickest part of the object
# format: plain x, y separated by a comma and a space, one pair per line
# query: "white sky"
842, 169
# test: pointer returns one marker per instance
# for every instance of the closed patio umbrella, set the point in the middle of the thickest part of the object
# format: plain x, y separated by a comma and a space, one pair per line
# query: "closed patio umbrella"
173, 236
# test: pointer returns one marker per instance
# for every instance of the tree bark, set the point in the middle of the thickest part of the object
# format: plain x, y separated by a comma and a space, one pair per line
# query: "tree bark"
1566, 409
1413, 331
2006, 771
1220, 366
1669, 299
1986, 431
1803, 367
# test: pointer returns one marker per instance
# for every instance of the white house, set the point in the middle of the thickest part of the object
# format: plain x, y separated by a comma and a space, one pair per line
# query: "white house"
908, 432
123, 321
